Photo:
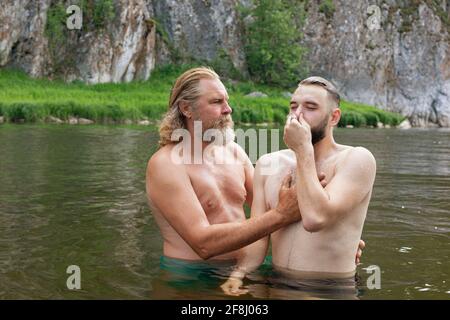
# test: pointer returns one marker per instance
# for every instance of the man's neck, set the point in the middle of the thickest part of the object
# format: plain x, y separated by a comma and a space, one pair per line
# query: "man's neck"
197, 142
324, 147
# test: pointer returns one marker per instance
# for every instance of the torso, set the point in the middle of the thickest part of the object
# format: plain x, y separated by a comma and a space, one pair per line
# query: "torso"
220, 188
329, 251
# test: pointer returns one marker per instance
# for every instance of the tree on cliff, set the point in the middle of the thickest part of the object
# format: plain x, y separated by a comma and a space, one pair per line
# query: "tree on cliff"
272, 41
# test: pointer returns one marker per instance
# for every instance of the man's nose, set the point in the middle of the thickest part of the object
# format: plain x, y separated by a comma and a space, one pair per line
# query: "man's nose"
227, 109
297, 111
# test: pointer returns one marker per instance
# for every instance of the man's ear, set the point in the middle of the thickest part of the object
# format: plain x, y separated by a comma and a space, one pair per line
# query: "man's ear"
335, 116
185, 108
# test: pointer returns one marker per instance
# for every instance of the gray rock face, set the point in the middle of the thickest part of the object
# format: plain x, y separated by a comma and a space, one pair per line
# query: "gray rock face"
404, 65
203, 28
123, 51
22, 41
126, 48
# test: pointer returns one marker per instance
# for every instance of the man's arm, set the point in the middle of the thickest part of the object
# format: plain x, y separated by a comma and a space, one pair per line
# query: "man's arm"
170, 189
352, 183
252, 256
249, 172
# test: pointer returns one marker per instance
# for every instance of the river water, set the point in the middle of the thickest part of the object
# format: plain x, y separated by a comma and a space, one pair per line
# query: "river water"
73, 195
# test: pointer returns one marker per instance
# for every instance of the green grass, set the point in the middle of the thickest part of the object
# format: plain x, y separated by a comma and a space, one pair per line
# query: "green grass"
33, 100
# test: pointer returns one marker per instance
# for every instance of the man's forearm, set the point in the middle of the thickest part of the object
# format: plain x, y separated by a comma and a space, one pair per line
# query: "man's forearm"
312, 198
226, 237
251, 258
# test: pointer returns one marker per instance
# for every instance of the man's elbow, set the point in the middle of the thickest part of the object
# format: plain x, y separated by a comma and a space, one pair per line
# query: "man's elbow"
203, 249
314, 224
204, 252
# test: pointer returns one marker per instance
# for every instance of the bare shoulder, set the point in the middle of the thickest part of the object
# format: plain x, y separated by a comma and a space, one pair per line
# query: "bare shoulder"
362, 154
238, 150
272, 165
358, 157
161, 160
282, 156
235, 147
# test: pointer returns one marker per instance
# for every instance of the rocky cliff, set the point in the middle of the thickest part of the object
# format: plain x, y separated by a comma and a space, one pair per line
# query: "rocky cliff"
396, 57
125, 47
399, 61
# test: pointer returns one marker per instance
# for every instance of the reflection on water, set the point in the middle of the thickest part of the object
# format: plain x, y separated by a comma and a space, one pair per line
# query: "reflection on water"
267, 284
76, 196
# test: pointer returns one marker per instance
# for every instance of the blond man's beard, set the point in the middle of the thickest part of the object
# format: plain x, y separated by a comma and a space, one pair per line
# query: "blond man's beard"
225, 125
222, 126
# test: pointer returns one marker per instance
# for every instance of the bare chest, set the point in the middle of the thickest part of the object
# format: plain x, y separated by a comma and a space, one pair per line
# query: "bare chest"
220, 188
288, 167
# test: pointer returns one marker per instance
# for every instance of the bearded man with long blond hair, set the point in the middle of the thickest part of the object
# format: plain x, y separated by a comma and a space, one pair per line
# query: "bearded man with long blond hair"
198, 205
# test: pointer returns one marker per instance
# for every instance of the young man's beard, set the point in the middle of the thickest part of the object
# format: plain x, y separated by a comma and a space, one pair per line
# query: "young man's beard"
319, 131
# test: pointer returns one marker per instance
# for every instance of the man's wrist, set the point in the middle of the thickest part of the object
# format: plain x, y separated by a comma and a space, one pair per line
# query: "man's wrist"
281, 218
238, 273
304, 151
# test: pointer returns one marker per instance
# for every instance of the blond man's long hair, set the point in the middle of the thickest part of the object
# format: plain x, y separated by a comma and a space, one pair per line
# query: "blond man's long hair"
186, 88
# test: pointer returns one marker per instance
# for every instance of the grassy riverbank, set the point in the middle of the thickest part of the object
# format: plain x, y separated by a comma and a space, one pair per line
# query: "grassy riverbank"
23, 99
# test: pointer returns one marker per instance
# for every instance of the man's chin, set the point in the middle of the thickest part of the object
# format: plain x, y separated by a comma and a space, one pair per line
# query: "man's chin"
219, 136
227, 135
